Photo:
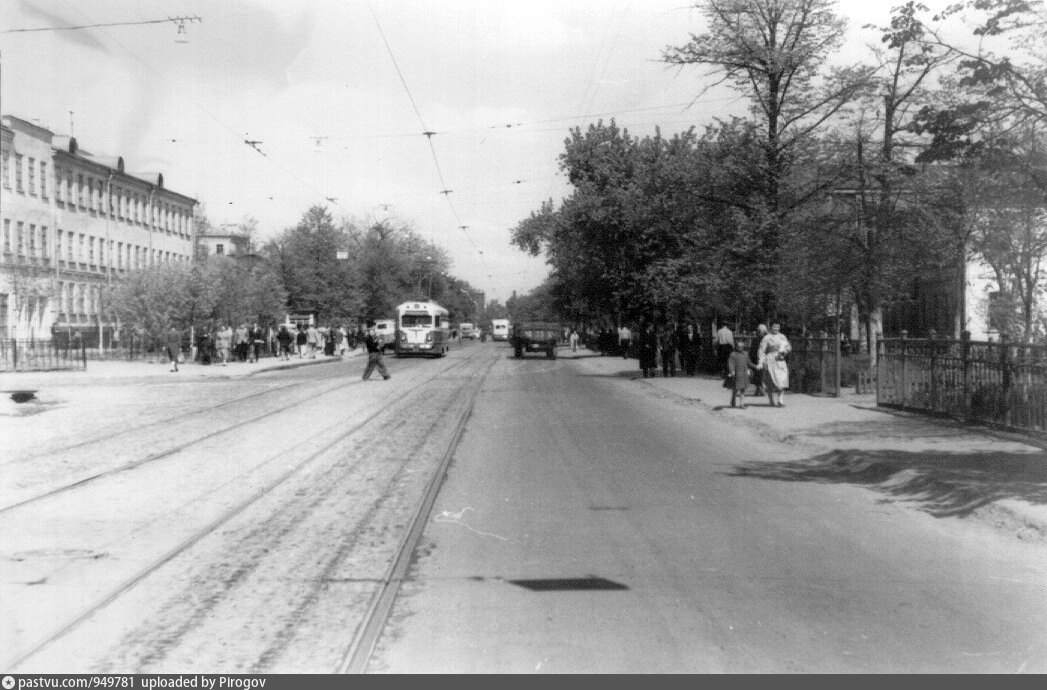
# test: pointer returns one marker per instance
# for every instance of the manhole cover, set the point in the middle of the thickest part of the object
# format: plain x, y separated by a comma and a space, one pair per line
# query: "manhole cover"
560, 584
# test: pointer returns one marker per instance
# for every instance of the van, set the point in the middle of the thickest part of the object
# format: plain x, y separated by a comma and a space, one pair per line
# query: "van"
386, 329
500, 329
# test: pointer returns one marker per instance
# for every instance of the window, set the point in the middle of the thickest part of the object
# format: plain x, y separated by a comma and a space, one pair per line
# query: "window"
91, 250
32, 176
81, 254
80, 298
43, 242
219, 249
70, 249
58, 244
43, 179
20, 235
58, 184
32, 239
80, 191
101, 253
7, 235
7, 169
18, 172
409, 320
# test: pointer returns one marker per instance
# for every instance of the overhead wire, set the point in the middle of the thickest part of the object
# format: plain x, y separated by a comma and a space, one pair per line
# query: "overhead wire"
445, 190
207, 112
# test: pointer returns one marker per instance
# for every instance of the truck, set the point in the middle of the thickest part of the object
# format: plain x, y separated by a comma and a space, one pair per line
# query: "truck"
535, 336
500, 329
467, 330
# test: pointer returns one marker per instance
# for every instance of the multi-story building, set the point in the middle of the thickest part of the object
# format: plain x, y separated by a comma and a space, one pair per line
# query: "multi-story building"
73, 223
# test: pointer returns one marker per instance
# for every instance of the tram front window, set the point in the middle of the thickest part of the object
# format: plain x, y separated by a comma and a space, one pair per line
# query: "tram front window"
410, 320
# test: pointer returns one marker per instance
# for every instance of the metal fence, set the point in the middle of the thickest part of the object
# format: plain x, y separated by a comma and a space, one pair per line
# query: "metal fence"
40, 355
998, 383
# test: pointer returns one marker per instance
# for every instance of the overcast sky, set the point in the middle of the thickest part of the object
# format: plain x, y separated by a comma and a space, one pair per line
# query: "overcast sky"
313, 81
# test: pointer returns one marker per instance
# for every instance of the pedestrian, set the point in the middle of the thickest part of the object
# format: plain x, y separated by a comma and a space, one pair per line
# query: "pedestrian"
173, 346
648, 350
738, 366
328, 336
374, 345
773, 350
625, 339
338, 339
312, 339
257, 336
754, 356
689, 348
203, 348
668, 345
241, 342
574, 340
224, 342
301, 341
284, 340
724, 347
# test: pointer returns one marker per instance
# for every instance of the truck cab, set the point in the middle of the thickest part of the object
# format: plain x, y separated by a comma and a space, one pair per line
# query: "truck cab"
535, 336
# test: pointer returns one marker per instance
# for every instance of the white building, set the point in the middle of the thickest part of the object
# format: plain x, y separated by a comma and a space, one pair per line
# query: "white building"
73, 223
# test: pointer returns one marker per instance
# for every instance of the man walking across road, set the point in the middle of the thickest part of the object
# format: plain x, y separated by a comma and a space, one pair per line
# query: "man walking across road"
374, 344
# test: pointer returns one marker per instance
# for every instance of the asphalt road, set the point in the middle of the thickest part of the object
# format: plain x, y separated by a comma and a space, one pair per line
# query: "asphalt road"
588, 523
591, 524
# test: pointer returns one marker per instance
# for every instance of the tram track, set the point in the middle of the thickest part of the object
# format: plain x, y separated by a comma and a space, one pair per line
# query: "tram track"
177, 417
192, 539
365, 640
181, 446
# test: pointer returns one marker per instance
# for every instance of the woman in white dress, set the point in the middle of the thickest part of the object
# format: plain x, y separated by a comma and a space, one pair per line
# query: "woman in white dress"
773, 349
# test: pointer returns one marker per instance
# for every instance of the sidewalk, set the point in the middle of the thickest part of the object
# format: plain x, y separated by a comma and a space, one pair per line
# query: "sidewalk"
125, 372
938, 466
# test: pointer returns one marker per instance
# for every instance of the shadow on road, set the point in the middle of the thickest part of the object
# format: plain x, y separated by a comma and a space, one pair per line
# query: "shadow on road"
942, 484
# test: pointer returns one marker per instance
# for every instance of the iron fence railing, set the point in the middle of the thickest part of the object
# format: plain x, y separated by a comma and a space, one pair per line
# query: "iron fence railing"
999, 383
40, 355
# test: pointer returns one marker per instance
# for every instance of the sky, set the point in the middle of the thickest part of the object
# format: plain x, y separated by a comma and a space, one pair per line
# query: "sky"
338, 94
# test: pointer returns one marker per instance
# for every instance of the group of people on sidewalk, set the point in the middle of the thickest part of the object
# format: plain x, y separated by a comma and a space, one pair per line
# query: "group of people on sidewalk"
249, 343
761, 360
766, 357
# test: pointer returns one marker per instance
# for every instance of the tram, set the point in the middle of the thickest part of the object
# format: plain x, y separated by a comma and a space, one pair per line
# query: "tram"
422, 328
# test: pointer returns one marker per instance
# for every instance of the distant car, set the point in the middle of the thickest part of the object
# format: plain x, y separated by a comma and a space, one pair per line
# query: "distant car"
535, 336
386, 328
467, 330
500, 329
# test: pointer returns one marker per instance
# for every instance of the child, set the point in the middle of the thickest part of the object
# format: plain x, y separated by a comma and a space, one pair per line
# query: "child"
738, 371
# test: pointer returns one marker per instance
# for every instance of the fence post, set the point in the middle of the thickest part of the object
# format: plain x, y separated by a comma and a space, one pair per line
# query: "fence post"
14, 354
965, 366
934, 374
905, 363
1005, 375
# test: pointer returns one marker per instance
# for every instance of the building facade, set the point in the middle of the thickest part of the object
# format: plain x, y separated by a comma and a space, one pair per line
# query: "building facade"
73, 224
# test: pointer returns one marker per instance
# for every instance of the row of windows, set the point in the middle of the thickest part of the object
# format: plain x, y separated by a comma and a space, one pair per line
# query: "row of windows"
87, 192
25, 171
30, 240
79, 298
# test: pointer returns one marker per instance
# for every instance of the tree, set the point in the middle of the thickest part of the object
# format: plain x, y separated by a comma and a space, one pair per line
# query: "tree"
306, 259
774, 51
152, 300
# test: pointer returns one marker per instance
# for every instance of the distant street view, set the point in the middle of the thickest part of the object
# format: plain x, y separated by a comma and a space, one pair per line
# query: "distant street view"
587, 338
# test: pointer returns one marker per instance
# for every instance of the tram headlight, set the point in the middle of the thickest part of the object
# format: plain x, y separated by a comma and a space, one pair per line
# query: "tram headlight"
429, 337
